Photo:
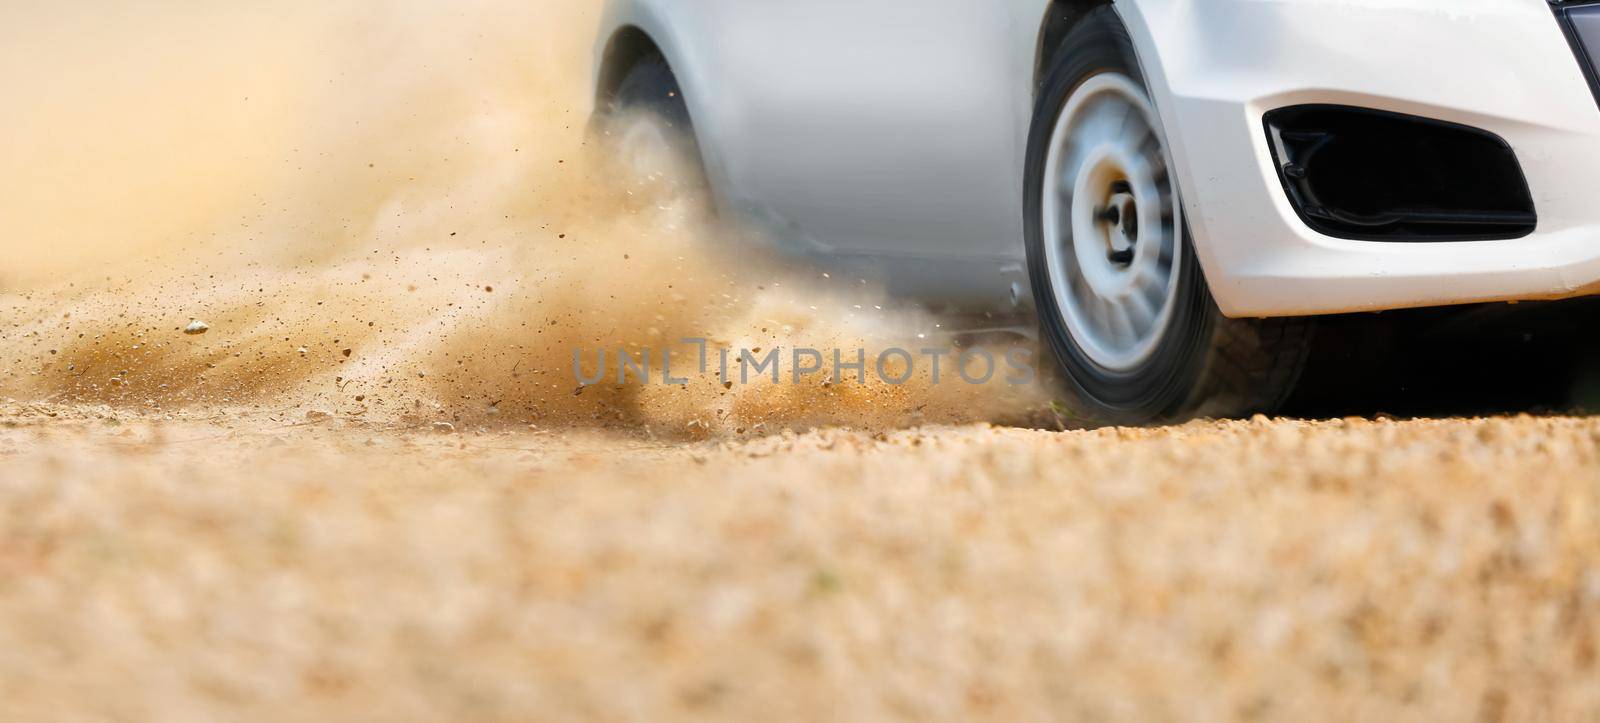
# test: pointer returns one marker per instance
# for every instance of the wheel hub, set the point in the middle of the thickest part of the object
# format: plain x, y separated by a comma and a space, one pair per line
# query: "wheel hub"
1121, 216
645, 148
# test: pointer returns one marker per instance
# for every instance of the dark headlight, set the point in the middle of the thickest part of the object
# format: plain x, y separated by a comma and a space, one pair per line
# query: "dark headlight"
1581, 22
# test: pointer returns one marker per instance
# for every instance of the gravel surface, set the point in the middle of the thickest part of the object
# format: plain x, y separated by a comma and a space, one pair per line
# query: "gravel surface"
259, 569
289, 430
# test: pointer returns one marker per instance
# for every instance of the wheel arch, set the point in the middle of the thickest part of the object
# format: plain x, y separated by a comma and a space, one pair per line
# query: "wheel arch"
627, 47
632, 31
1059, 19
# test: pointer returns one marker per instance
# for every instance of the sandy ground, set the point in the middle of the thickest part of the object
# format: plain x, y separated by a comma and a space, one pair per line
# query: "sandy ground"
373, 489
248, 568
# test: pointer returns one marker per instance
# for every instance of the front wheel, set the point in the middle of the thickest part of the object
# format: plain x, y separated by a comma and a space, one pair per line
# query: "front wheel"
1122, 301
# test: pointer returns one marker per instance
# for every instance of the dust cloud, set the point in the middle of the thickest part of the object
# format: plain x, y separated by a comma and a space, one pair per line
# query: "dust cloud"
388, 222
391, 214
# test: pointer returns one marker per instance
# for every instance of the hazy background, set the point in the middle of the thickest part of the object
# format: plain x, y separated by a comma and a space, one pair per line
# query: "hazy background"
390, 209
141, 127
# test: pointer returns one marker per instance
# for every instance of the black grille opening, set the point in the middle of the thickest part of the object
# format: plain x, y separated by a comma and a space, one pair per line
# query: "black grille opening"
1372, 175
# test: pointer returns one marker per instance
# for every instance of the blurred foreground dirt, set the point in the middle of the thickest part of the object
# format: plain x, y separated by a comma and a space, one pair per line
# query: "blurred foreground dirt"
390, 217
253, 568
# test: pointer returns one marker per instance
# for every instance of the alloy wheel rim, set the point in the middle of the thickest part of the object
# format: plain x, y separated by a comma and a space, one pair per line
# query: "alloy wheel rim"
1111, 223
645, 148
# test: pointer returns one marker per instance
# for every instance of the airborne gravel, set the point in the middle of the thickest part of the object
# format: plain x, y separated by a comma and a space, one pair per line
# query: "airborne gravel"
274, 520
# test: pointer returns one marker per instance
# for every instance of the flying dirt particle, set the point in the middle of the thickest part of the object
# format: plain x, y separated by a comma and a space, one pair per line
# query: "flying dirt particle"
489, 289
579, 391
361, 397
444, 428
347, 352
301, 350
196, 327
317, 415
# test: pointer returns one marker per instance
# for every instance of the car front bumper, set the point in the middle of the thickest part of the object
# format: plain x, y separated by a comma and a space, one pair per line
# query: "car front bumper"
1504, 66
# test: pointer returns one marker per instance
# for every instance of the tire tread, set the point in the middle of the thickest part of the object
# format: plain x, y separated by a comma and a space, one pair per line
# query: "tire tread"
1253, 366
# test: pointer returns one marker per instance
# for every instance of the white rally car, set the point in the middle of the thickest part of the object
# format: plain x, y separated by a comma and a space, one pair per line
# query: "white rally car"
1177, 186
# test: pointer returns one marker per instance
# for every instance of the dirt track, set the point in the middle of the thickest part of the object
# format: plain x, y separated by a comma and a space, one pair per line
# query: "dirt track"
269, 570
392, 219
